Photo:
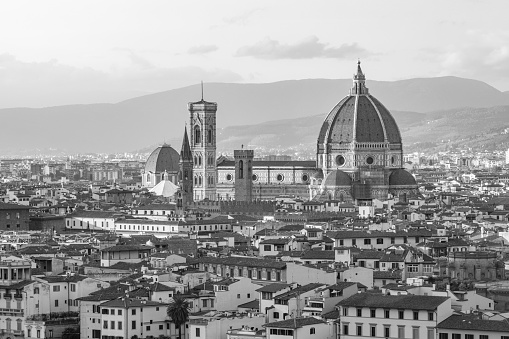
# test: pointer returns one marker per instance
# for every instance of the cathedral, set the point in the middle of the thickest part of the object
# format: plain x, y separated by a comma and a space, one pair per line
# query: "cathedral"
359, 157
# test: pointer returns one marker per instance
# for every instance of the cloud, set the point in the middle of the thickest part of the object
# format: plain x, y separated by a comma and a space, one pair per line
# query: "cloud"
242, 18
485, 56
202, 49
308, 48
50, 83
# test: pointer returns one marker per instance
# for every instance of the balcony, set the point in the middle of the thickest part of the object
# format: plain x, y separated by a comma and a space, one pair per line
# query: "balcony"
18, 296
11, 312
7, 295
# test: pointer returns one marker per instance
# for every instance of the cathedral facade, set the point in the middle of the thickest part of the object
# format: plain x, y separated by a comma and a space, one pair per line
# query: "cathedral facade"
359, 158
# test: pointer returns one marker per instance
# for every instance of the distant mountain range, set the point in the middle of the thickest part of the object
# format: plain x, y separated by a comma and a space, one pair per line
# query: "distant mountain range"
252, 114
476, 128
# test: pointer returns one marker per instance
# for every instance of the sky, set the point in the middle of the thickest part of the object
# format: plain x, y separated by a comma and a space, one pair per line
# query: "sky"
78, 52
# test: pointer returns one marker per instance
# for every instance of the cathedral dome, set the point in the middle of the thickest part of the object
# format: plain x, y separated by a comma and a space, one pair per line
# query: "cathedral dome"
359, 117
401, 177
337, 178
163, 158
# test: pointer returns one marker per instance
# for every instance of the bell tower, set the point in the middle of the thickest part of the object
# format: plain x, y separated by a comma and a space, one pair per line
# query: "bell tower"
243, 174
203, 148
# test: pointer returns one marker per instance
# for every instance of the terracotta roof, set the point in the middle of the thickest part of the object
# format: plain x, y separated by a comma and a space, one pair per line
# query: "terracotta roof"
121, 248
271, 288
277, 241
248, 262
295, 323
473, 323
64, 278
340, 286
387, 274
414, 302
130, 302
369, 254
6, 207
325, 255
253, 304
298, 291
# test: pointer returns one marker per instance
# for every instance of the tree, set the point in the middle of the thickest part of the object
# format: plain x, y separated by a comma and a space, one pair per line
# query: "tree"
178, 311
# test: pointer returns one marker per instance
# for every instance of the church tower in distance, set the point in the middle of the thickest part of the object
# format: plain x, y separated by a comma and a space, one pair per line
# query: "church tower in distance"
243, 174
186, 172
203, 148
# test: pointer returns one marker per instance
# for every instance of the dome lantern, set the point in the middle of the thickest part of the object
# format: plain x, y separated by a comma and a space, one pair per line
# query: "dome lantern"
359, 82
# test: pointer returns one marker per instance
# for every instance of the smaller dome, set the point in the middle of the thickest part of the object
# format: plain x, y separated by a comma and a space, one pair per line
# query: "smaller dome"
163, 158
401, 177
318, 175
337, 178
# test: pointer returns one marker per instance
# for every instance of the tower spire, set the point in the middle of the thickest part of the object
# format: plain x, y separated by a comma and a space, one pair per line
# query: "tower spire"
202, 90
185, 152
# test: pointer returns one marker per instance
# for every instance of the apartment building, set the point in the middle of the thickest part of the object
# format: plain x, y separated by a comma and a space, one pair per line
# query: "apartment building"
387, 316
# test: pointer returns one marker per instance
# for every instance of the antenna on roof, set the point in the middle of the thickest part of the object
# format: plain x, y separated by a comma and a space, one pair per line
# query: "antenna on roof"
202, 90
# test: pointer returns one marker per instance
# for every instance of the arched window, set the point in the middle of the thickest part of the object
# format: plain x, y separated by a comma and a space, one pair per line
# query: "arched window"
241, 169
210, 136
186, 175
195, 161
197, 134
199, 181
312, 330
199, 160
148, 177
195, 181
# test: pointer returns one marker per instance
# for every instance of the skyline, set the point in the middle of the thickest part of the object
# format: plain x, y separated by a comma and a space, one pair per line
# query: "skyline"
72, 53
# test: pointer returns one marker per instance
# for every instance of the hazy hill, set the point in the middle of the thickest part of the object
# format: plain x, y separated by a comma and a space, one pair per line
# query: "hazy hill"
151, 119
482, 128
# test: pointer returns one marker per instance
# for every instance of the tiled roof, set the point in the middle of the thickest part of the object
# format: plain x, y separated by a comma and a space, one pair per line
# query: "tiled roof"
295, 323
273, 287
64, 278
369, 254
414, 302
122, 265
278, 241
290, 228
386, 274
253, 304
94, 214
130, 302
121, 248
156, 207
473, 323
7, 207
377, 234
325, 255
18, 285
39, 249
236, 261
298, 291
340, 286
331, 315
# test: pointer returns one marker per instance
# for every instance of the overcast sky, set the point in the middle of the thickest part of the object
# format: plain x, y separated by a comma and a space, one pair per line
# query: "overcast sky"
62, 52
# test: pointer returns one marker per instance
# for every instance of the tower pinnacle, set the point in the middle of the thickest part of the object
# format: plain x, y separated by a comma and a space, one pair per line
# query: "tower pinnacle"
185, 152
